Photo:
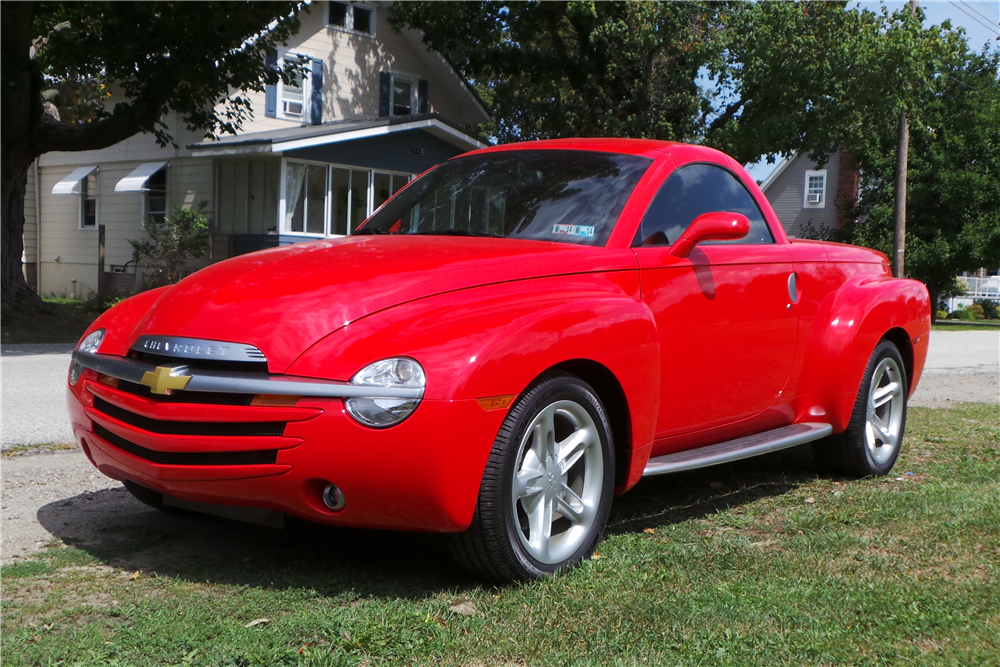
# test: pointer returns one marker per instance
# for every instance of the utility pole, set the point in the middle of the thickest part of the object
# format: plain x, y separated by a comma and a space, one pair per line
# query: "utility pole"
899, 212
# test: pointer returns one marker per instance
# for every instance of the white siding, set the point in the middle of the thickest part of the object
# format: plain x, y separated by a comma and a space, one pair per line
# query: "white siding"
30, 222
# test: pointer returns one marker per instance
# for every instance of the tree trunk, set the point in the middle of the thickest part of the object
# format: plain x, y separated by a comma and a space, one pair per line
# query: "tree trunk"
21, 112
15, 289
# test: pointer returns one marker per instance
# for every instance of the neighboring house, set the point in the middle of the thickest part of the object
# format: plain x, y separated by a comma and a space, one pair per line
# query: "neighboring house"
804, 194
375, 109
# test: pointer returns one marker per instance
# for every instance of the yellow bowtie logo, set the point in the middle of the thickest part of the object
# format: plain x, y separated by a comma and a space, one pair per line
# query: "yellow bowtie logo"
165, 378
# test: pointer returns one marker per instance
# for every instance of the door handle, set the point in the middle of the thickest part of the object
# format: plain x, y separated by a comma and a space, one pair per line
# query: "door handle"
793, 289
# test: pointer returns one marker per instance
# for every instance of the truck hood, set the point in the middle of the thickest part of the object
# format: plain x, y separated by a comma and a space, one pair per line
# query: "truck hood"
286, 299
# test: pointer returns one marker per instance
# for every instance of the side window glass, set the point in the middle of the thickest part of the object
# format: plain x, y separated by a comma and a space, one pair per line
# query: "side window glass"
692, 190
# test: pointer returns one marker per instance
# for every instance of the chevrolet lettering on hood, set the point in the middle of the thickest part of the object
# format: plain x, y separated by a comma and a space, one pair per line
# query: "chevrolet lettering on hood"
190, 348
512, 339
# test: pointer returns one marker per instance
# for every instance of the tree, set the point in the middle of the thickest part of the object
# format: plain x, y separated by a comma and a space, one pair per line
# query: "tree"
86, 75
953, 198
787, 76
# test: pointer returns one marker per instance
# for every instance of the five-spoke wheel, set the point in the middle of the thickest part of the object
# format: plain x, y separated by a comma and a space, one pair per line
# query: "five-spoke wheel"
547, 489
870, 445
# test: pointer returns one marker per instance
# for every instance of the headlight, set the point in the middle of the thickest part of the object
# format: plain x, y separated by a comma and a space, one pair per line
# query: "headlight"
380, 412
93, 341
88, 345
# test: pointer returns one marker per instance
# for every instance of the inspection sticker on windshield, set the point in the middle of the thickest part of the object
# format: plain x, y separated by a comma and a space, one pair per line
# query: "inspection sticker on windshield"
574, 230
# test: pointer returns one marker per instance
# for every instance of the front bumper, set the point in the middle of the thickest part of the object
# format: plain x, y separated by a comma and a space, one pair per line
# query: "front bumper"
422, 474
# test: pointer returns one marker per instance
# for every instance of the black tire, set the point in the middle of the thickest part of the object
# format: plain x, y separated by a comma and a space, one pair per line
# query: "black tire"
870, 445
507, 540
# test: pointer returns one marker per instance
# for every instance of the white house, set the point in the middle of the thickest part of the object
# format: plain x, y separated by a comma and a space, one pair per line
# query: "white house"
375, 109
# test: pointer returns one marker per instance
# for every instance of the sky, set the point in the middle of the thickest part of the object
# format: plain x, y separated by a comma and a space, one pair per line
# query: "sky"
979, 18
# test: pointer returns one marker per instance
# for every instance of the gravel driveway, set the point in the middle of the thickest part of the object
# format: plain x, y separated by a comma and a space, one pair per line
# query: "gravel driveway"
61, 494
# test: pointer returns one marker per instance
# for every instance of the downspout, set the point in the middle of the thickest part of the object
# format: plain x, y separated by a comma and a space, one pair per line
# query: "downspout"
38, 228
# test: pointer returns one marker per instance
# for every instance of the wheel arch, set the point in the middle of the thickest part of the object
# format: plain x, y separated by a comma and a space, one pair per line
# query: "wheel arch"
612, 395
898, 337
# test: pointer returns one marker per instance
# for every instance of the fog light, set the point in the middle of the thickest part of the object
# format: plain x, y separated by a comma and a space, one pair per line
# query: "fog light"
333, 498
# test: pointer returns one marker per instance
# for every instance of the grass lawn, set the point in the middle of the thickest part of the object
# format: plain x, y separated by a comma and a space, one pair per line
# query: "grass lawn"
757, 563
63, 321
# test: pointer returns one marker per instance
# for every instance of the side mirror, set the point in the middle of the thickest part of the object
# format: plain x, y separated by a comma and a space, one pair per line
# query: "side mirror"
718, 226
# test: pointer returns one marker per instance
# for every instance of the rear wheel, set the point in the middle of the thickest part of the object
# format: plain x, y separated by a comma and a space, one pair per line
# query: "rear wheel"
546, 491
870, 445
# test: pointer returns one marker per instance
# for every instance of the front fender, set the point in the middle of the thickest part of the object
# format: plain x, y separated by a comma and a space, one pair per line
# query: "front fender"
121, 320
494, 340
848, 326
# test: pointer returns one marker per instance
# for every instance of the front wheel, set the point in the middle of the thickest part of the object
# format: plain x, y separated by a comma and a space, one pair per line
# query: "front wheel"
870, 445
546, 492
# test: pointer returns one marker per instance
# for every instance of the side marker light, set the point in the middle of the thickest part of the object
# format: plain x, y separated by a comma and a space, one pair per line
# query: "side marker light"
495, 402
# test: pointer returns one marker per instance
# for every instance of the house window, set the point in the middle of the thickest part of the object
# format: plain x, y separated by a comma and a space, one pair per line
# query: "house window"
156, 197
295, 98
815, 189
404, 94
88, 202
330, 200
351, 17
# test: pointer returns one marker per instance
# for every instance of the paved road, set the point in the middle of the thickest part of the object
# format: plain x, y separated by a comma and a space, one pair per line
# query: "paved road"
34, 402
961, 366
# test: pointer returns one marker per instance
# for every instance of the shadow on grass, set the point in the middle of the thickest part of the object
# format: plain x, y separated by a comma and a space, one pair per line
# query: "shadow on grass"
118, 530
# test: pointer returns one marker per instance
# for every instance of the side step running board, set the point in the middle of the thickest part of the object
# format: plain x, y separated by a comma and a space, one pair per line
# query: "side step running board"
741, 448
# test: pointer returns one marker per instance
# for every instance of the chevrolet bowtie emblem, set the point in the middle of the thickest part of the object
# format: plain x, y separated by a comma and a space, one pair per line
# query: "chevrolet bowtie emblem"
165, 378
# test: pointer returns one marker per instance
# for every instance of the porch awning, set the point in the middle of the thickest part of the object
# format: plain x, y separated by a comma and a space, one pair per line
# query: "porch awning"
71, 184
136, 180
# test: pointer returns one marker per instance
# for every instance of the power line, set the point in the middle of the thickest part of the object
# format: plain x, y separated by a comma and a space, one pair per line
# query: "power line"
972, 8
973, 16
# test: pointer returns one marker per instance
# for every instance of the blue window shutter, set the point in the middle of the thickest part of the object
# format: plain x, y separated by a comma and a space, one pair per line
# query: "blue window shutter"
384, 94
270, 91
422, 105
316, 99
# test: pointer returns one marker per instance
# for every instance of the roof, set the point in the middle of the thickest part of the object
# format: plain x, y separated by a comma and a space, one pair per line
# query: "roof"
292, 138
773, 176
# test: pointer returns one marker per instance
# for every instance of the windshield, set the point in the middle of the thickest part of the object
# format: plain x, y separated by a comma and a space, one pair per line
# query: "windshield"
548, 195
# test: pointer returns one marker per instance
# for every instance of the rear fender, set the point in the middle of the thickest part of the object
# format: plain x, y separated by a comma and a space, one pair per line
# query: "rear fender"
849, 325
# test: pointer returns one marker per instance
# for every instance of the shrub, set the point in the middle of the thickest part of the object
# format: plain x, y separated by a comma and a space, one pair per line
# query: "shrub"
977, 311
172, 244
963, 314
98, 304
942, 314
991, 311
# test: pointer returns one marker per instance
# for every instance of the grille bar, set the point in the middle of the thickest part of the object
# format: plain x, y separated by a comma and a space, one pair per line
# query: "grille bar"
258, 457
239, 429
199, 397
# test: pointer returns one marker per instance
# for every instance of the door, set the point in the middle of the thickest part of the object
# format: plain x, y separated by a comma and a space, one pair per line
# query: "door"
727, 333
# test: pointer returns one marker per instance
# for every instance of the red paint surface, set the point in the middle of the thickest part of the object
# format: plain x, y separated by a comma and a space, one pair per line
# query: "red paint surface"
701, 349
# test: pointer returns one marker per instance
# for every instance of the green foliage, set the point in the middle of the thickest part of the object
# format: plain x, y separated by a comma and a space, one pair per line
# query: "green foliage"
556, 69
953, 193
798, 76
197, 59
942, 314
181, 237
963, 314
990, 308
